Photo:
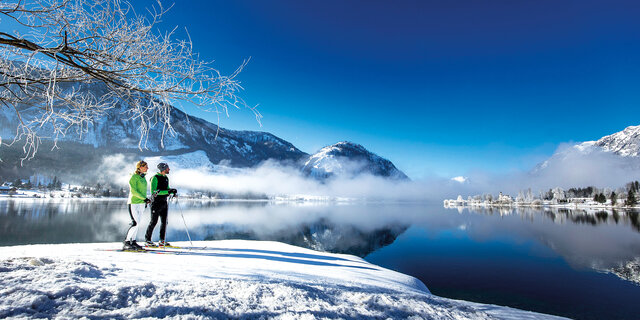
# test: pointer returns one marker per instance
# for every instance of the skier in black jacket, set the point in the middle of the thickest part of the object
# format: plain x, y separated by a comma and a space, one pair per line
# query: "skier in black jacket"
159, 207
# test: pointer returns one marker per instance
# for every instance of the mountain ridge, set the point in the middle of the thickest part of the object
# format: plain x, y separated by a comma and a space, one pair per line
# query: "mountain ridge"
118, 133
624, 143
623, 146
344, 158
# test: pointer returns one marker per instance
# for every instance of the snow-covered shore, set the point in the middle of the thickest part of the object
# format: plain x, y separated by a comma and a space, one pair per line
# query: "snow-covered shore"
62, 195
221, 279
581, 203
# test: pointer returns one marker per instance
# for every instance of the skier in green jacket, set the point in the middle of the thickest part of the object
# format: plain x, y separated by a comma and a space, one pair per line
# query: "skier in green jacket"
159, 207
137, 203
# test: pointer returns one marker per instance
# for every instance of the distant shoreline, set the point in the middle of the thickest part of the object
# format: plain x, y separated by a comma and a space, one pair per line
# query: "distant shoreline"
451, 203
69, 195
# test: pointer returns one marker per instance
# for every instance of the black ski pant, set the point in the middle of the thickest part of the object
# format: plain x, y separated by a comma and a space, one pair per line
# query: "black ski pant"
159, 209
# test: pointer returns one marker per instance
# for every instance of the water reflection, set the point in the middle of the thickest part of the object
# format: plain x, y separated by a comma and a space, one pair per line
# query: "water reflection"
594, 217
601, 240
333, 228
322, 235
49, 221
337, 229
597, 239
562, 261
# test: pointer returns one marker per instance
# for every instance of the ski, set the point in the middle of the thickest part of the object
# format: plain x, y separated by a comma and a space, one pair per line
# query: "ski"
122, 250
139, 251
171, 247
176, 247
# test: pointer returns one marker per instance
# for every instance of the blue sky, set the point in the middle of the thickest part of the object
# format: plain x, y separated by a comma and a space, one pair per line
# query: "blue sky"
438, 87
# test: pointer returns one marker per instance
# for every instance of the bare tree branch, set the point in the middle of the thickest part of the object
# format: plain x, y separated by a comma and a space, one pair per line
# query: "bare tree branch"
70, 42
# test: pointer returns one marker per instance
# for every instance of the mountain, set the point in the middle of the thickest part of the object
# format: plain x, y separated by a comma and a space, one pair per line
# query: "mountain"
625, 143
621, 149
611, 161
118, 133
349, 159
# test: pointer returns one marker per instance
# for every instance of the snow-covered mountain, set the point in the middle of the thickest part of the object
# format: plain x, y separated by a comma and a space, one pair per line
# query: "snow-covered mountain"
349, 159
118, 133
622, 147
625, 143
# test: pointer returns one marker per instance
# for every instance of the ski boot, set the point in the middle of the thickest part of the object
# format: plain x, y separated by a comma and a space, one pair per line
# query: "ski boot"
127, 246
150, 244
136, 246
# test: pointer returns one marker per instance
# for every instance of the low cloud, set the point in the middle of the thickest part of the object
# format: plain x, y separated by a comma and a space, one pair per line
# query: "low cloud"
273, 179
569, 167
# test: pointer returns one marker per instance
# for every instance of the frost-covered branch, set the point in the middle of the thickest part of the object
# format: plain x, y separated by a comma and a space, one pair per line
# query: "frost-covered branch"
71, 43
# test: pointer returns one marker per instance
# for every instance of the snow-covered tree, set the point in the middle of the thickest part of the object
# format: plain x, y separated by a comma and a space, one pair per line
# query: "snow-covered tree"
63, 44
520, 197
504, 199
558, 195
529, 196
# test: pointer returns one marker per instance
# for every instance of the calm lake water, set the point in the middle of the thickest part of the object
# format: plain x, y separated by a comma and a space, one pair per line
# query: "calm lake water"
565, 262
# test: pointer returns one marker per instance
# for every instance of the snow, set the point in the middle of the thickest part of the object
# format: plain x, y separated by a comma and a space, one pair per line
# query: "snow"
629, 270
625, 143
585, 147
347, 158
192, 160
220, 280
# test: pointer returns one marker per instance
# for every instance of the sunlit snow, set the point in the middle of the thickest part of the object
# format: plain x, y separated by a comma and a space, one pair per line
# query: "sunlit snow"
219, 280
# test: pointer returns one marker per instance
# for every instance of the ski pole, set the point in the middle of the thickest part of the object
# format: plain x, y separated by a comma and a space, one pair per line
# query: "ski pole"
184, 221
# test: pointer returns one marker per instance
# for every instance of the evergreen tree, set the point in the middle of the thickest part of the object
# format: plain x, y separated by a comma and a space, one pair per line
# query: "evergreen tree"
56, 184
602, 198
613, 198
631, 198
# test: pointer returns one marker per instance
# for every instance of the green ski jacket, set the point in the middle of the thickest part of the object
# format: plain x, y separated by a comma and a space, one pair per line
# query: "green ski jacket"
137, 189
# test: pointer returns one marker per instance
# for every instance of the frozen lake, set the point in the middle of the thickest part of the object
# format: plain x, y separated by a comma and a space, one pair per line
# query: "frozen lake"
565, 262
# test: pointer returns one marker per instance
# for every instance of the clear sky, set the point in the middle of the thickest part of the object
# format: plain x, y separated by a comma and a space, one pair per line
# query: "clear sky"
438, 87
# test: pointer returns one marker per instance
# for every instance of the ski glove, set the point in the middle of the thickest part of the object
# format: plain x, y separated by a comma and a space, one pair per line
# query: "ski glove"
147, 201
173, 191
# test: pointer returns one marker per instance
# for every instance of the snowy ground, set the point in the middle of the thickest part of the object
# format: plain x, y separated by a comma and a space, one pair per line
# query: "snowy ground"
234, 279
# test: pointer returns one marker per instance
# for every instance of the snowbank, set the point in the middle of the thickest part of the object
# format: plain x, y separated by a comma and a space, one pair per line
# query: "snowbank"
219, 280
